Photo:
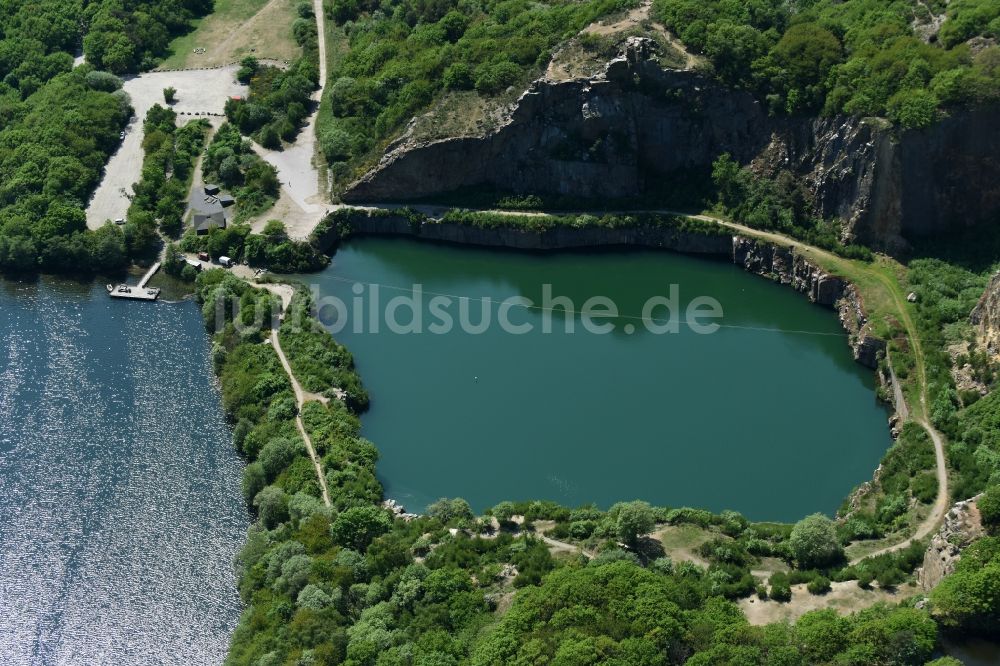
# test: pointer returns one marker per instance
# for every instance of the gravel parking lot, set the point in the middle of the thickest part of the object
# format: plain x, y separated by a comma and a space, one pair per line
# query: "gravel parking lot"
203, 91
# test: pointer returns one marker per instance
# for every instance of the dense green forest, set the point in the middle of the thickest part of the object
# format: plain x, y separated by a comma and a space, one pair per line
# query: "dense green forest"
38, 39
53, 146
350, 583
280, 99
231, 161
161, 194
862, 57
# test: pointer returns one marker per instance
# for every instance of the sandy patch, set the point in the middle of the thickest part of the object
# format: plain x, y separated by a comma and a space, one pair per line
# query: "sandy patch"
236, 29
680, 542
572, 62
845, 597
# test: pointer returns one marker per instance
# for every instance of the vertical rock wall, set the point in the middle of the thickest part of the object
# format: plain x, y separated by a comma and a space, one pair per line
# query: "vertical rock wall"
614, 135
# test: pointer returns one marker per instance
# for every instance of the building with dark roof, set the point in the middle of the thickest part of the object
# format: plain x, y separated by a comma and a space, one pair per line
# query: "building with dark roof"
208, 209
205, 222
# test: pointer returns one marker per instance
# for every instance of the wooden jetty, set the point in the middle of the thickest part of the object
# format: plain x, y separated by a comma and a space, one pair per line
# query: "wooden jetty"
139, 292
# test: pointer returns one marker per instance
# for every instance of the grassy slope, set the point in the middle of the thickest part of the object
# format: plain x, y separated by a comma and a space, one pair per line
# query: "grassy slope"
885, 301
233, 29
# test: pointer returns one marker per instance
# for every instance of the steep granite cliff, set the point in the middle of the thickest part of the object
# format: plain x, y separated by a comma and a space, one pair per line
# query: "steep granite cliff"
622, 132
962, 525
595, 137
986, 316
786, 266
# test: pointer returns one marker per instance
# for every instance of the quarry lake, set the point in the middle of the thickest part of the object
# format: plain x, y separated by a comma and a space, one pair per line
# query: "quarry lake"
769, 415
120, 502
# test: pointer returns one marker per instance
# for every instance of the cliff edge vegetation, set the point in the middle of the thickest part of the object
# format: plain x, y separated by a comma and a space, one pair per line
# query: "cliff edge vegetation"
905, 60
404, 55
902, 59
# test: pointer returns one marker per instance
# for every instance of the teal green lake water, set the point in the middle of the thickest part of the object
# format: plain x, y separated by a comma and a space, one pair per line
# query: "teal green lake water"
120, 502
769, 416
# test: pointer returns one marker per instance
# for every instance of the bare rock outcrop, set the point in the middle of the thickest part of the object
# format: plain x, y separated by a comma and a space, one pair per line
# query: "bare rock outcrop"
866, 347
786, 266
382, 223
781, 264
986, 316
962, 526
597, 137
849, 166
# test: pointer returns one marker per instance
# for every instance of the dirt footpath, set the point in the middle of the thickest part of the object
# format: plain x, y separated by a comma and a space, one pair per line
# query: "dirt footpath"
302, 202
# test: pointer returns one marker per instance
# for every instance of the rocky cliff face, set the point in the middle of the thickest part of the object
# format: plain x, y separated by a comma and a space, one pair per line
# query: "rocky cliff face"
784, 265
962, 526
586, 137
610, 135
780, 264
850, 166
986, 316
362, 222
886, 184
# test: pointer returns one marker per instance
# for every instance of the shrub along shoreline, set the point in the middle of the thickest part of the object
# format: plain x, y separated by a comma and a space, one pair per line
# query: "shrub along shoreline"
907, 480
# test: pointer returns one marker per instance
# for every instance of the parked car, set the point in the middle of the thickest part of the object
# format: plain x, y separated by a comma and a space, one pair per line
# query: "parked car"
204, 256
226, 261
121, 135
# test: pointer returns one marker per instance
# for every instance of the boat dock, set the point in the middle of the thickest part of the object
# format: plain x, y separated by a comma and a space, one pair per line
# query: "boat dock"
139, 292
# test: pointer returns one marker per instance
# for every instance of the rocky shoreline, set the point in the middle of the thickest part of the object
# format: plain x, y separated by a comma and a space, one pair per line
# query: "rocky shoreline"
783, 265
364, 222
786, 266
